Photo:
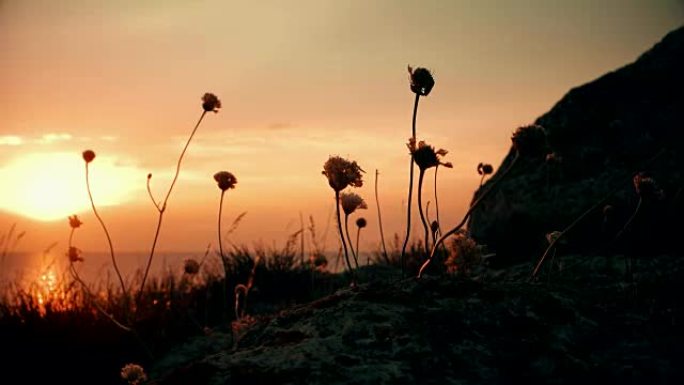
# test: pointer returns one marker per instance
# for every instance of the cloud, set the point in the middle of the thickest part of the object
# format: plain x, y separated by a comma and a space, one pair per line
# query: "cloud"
53, 137
11, 140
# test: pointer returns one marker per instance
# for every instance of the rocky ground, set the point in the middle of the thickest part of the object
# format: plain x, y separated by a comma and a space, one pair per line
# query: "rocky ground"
582, 323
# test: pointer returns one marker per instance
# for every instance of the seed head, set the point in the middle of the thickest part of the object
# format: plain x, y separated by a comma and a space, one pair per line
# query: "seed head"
553, 236
421, 80
351, 202
342, 173
484, 169
210, 102
646, 187
425, 155
88, 155
74, 222
361, 222
191, 266
134, 374
74, 255
434, 226
225, 180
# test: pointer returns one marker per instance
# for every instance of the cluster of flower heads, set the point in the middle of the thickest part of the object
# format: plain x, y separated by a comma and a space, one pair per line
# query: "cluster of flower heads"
210, 103
646, 187
191, 266
225, 180
351, 202
342, 173
134, 374
425, 155
421, 80
484, 169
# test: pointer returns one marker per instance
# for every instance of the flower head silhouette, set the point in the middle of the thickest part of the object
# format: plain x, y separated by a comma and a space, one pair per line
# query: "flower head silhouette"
342, 173
191, 266
361, 223
210, 102
421, 80
484, 169
88, 155
225, 180
351, 202
74, 222
425, 155
74, 254
134, 374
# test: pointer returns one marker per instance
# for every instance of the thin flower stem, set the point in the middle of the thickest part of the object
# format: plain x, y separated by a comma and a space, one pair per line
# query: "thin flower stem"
629, 221
149, 192
382, 234
410, 192
351, 245
439, 222
224, 260
467, 215
358, 235
109, 239
162, 208
482, 179
420, 211
339, 227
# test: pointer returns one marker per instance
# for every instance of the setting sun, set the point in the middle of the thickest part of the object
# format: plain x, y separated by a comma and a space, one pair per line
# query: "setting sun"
50, 187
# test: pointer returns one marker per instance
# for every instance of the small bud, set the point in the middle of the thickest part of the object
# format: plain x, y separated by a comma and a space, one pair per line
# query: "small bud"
361, 222
88, 155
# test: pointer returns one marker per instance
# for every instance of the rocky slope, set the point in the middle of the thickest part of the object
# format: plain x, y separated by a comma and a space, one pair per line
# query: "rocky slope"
582, 325
600, 133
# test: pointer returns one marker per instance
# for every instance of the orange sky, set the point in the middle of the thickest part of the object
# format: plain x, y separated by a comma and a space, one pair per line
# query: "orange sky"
299, 81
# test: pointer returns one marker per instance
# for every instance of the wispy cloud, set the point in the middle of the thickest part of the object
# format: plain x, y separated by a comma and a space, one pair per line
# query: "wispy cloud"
54, 137
11, 140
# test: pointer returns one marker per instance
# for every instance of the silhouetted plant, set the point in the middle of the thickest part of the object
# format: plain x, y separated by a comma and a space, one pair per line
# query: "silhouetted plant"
425, 157
421, 83
360, 223
484, 169
351, 202
134, 374
210, 103
464, 254
225, 181
342, 173
527, 142
88, 157
382, 233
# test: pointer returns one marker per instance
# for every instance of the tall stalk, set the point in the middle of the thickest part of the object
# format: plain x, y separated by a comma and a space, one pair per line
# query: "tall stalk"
426, 227
109, 239
351, 245
162, 208
382, 234
339, 227
410, 191
439, 222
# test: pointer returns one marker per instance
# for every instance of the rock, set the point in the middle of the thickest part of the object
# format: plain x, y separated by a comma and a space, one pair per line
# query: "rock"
600, 133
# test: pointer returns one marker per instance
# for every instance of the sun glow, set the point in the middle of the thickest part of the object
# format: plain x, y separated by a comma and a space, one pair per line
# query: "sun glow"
51, 186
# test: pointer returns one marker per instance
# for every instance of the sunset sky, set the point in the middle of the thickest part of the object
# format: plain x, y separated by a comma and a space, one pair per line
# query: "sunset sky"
299, 81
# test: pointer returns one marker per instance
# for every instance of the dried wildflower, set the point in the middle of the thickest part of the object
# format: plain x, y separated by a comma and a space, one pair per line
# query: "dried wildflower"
342, 173
351, 202
134, 374
425, 155
421, 80
529, 140
225, 180
361, 223
553, 236
464, 254
74, 254
191, 266
74, 222
434, 226
88, 155
552, 158
210, 102
484, 169
646, 187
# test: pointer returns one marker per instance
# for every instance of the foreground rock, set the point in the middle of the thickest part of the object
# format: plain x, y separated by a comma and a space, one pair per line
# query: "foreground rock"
600, 134
491, 330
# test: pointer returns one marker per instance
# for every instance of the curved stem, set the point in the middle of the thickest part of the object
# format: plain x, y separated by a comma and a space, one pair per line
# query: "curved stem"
420, 211
629, 221
482, 179
149, 192
358, 235
439, 222
467, 215
351, 245
339, 226
162, 208
382, 234
410, 192
109, 239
